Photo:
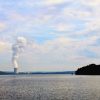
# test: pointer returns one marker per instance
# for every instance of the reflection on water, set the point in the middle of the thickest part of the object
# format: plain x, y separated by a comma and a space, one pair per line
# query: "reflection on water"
49, 87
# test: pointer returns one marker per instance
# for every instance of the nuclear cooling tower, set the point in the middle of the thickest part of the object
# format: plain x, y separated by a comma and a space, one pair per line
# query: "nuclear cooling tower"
15, 70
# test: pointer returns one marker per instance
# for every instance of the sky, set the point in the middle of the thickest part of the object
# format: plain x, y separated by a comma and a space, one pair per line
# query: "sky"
61, 34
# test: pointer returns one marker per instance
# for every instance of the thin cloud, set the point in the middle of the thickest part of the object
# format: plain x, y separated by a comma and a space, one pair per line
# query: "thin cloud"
64, 29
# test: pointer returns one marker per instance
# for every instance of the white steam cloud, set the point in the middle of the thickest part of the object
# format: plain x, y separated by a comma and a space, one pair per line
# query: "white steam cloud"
17, 48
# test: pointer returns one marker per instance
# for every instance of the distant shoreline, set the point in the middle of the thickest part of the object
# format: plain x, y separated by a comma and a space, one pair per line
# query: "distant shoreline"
32, 73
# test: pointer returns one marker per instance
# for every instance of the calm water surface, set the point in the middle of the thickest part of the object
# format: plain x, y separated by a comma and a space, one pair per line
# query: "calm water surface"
49, 87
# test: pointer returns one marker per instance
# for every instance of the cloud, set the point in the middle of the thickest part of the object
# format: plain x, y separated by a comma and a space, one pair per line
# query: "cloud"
42, 3
53, 2
36, 3
4, 46
76, 13
2, 26
69, 31
63, 27
91, 3
17, 17
64, 51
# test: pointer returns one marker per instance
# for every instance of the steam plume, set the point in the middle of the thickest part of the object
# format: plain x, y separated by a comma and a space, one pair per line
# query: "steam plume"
17, 48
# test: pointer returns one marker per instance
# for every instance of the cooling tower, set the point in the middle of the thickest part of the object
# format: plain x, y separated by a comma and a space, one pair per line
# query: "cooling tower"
15, 70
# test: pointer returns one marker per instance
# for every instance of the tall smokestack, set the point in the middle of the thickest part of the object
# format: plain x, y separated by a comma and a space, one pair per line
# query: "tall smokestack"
17, 48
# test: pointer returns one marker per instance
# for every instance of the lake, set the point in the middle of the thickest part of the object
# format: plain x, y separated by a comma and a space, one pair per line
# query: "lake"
49, 87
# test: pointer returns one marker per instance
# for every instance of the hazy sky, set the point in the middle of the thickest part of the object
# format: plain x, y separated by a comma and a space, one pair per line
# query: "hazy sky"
61, 34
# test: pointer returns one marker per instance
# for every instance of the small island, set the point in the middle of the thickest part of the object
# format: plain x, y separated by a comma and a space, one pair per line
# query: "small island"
91, 69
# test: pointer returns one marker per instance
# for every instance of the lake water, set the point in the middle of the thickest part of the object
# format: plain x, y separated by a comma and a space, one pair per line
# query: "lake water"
49, 87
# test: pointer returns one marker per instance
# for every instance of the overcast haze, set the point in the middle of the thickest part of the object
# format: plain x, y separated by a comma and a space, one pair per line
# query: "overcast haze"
61, 34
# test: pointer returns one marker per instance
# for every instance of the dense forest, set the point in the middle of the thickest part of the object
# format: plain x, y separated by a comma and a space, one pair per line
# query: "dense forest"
91, 69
